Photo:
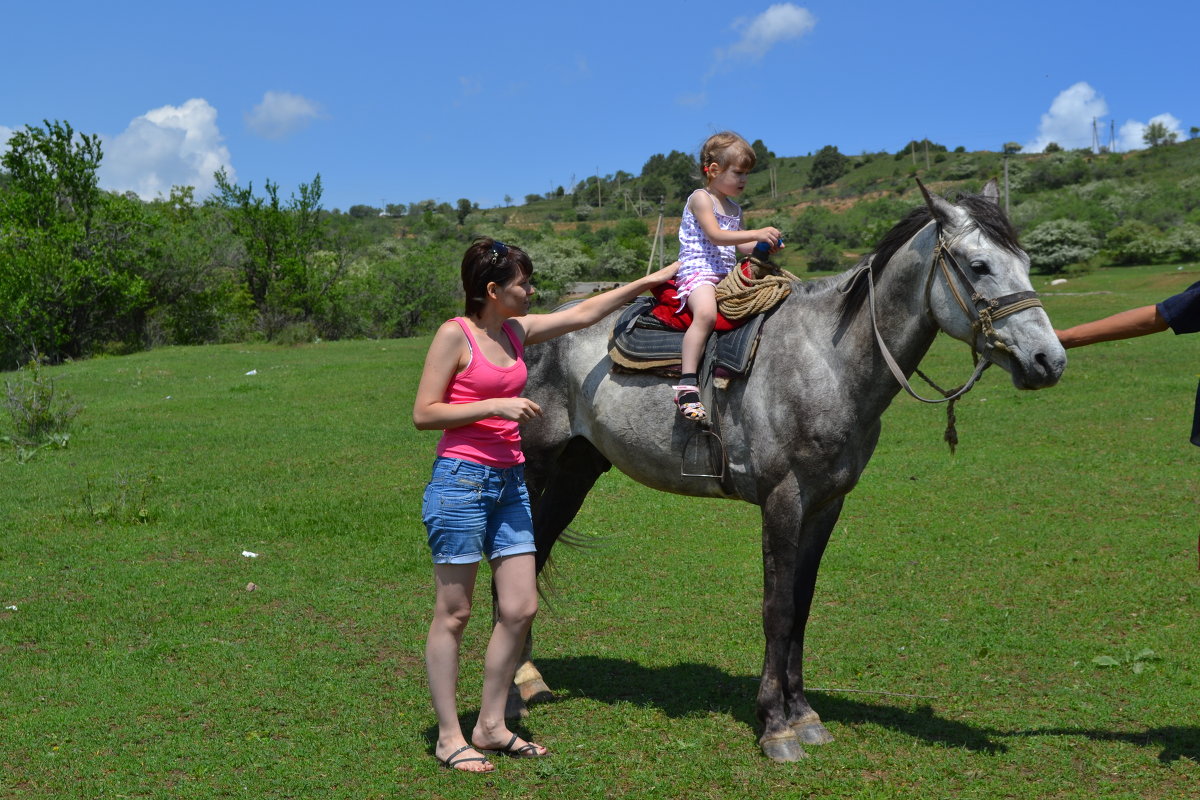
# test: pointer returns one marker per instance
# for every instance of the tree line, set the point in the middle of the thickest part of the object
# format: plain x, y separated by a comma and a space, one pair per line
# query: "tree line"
84, 271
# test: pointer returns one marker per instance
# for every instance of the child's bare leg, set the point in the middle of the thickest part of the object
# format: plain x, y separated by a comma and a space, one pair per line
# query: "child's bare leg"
702, 302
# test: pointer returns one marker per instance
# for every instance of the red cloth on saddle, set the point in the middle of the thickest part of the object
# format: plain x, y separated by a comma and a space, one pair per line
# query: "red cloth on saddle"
668, 302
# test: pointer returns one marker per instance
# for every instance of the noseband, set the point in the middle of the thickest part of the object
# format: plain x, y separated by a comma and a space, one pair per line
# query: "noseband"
981, 311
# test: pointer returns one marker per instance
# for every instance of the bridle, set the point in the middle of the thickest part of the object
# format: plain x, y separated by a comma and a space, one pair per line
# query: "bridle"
982, 312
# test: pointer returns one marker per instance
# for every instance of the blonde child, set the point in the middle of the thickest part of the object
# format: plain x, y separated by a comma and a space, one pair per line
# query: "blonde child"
710, 236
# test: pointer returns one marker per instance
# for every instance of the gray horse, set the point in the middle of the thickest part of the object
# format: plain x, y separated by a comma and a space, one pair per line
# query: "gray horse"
800, 428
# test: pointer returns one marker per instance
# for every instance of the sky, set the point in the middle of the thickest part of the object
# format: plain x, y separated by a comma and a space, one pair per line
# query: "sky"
399, 102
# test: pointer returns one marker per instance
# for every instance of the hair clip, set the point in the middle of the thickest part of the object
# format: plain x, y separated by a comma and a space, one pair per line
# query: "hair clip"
499, 250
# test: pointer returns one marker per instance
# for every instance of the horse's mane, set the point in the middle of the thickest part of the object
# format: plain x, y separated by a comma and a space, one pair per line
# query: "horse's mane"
985, 215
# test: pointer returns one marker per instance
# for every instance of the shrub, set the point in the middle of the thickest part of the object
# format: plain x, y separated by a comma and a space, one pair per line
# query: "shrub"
1137, 242
1055, 245
40, 414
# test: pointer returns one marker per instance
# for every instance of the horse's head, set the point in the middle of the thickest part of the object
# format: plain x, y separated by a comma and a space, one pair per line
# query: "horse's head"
979, 291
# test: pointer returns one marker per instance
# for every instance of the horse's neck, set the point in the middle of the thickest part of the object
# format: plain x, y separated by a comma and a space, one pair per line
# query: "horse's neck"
902, 317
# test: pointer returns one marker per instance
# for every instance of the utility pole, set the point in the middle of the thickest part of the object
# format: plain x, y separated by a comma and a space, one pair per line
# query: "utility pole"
658, 243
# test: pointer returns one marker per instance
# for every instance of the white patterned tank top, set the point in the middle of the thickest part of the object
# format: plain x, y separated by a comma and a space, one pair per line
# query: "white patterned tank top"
697, 255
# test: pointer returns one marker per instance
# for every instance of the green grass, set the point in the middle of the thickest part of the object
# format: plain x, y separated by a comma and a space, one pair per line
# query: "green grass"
976, 588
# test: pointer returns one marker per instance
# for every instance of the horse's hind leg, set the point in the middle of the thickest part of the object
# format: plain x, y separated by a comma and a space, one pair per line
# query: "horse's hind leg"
557, 488
815, 533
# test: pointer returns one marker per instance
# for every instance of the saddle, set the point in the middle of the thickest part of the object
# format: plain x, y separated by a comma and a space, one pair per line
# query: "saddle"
641, 341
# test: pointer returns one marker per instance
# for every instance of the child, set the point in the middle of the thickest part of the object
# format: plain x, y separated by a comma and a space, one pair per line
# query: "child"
709, 237
476, 504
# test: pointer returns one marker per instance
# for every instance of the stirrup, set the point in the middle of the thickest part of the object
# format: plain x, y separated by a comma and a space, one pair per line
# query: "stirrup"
693, 410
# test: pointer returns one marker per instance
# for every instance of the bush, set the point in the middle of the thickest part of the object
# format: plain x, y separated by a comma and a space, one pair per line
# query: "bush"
40, 415
1055, 245
823, 254
1137, 242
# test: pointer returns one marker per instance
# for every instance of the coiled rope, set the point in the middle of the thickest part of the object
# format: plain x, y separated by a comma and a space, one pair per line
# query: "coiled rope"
739, 296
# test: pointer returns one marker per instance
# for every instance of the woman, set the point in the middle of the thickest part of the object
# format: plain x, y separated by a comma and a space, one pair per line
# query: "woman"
476, 504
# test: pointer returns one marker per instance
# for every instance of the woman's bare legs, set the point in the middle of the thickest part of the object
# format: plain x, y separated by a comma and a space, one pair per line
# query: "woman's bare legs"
516, 593
455, 585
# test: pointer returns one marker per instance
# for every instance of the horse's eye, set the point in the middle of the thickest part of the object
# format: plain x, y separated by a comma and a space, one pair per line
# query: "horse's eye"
980, 268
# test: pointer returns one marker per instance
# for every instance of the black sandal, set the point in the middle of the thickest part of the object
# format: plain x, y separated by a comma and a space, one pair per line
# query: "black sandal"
451, 761
527, 750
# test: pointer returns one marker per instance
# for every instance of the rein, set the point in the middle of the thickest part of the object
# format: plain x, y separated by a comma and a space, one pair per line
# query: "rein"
982, 312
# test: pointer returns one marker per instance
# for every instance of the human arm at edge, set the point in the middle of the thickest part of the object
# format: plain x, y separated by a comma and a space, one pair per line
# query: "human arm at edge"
542, 327
1123, 325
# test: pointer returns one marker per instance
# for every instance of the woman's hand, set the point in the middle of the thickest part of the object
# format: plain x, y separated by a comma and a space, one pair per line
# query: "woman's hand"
515, 409
663, 275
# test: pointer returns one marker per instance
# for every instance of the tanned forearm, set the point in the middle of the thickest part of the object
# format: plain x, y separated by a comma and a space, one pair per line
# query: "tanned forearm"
1125, 325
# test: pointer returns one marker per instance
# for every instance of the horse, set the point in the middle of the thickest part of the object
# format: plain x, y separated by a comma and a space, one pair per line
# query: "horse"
799, 429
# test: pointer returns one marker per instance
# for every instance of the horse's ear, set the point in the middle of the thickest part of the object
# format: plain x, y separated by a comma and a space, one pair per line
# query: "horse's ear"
991, 191
942, 209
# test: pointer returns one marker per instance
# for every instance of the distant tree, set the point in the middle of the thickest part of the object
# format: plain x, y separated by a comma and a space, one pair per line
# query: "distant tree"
532, 198
559, 192
1011, 148
70, 268
677, 172
1156, 134
508, 200
396, 209
1052, 147
1193, 132
762, 156
281, 274
363, 211
828, 165
462, 209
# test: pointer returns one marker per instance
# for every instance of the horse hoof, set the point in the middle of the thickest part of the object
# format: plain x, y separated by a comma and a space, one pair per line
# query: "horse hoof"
812, 733
783, 748
535, 691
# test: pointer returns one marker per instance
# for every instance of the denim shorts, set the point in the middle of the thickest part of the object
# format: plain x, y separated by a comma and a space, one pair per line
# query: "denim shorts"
471, 510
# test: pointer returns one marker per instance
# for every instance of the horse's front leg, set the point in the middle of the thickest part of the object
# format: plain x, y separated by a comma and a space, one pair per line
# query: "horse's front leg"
814, 536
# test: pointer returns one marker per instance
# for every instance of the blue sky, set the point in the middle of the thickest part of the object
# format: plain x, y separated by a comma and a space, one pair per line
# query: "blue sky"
395, 102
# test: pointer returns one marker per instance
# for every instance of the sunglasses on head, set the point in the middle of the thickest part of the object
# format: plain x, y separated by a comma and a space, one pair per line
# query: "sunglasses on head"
499, 250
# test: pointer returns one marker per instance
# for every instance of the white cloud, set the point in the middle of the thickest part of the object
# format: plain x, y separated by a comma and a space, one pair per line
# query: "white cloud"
779, 23
5, 135
280, 114
165, 147
1130, 134
1068, 123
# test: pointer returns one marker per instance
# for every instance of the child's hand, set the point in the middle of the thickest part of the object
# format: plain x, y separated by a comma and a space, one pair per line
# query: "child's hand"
772, 236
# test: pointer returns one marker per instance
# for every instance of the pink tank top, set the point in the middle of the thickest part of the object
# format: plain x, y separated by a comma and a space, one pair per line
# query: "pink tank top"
493, 441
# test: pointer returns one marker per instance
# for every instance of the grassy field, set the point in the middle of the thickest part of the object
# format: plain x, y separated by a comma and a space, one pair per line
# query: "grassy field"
1015, 621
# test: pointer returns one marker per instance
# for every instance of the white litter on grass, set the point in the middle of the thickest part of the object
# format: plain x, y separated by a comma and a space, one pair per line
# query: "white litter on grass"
248, 554
252, 372
1058, 281
10, 608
